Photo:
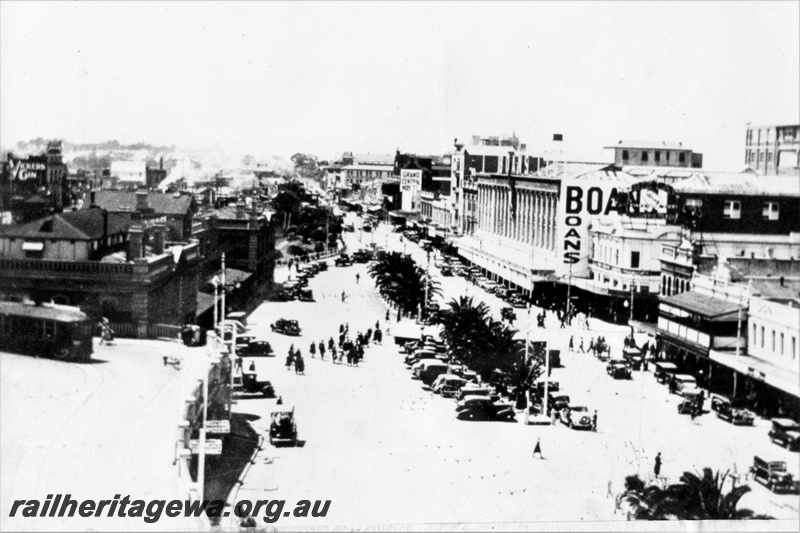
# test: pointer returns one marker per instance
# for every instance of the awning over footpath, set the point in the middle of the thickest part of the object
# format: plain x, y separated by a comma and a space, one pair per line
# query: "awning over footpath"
232, 275
711, 308
779, 377
204, 302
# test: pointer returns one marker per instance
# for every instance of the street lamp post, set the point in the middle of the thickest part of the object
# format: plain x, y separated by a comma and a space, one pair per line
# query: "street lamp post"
224, 288
569, 292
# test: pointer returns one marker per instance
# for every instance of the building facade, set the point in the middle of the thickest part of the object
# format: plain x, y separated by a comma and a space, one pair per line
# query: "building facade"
655, 154
773, 150
34, 186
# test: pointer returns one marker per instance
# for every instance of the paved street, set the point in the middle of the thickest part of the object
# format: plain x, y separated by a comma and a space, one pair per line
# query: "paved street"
93, 431
386, 451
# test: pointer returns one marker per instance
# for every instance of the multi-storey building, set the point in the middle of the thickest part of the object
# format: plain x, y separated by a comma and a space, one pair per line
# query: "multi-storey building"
175, 210
771, 150
107, 265
655, 154
129, 173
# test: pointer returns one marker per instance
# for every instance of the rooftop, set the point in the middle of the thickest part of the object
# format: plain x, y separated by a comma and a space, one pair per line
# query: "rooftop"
650, 145
702, 305
125, 202
83, 225
743, 184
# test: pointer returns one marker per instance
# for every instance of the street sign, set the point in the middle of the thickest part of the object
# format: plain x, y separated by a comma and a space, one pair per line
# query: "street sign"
218, 426
213, 446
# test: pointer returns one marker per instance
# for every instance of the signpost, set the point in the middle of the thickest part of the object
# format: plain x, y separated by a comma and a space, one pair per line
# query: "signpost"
218, 426
212, 447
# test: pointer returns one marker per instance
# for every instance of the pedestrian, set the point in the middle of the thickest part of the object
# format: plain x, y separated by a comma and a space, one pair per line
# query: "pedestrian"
252, 367
289, 360
334, 354
343, 295
591, 345
360, 354
358, 278
538, 449
378, 336
341, 328
657, 467
349, 355
398, 314
571, 343
700, 401
341, 340
377, 324
594, 421
312, 349
368, 336
299, 364
387, 315
581, 346
331, 344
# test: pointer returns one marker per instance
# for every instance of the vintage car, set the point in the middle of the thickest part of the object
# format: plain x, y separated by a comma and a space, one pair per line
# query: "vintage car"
516, 301
286, 327
343, 260
361, 256
690, 402
736, 415
773, 475
618, 369
429, 370
446, 271
243, 340
557, 400
418, 355
306, 295
664, 371
252, 383
283, 429
785, 432
684, 383
471, 389
576, 417
633, 356
484, 408
256, 349
448, 385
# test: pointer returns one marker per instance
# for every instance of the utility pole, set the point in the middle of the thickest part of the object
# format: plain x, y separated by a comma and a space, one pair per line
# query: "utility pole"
633, 280
215, 282
224, 288
201, 459
569, 301
527, 358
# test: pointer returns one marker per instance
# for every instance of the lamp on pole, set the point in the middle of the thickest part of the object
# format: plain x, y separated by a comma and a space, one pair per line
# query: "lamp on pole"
223, 288
215, 282
569, 292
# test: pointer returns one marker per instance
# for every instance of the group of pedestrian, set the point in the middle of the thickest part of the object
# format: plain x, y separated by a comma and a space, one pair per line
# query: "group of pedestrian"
295, 359
347, 349
540, 318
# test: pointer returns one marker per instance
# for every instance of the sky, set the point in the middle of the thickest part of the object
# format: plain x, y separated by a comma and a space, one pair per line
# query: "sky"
277, 78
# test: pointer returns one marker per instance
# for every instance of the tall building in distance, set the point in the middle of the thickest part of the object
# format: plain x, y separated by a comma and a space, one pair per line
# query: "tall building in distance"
773, 150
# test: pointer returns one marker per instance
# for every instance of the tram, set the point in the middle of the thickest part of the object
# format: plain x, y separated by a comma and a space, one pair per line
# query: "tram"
46, 330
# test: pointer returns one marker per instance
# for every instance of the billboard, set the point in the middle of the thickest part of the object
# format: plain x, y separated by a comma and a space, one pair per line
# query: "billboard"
410, 180
582, 201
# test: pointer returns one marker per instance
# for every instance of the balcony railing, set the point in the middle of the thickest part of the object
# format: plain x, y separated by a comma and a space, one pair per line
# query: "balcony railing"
684, 332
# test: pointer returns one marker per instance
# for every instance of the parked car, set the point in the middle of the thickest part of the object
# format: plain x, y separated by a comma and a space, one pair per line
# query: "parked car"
517, 301
286, 327
684, 383
633, 356
361, 256
785, 432
618, 369
557, 400
251, 382
690, 402
664, 371
447, 271
477, 390
774, 475
484, 408
448, 385
256, 349
283, 429
576, 417
725, 410
306, 295
428, 370
343, 260
418, 355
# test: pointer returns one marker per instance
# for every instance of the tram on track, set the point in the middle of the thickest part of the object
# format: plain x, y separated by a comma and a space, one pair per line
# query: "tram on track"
46, 330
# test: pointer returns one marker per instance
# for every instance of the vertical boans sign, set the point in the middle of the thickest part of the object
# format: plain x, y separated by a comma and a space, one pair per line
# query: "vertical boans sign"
582, 201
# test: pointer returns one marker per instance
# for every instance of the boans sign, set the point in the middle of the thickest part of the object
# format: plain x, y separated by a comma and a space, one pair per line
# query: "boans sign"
580, 204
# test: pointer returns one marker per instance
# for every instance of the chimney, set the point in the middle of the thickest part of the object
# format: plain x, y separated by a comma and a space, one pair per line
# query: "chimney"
142, 203
161, 163
105, 224
158, 239
135, 243
782, 280
93, 199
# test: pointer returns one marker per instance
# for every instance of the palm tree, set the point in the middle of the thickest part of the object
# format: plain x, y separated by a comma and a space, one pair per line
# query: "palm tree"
402, 281
465, 328
694, 497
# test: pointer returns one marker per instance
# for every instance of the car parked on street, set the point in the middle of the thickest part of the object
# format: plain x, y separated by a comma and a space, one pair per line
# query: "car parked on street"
286, 327
484, 408
576, 417
684, 383
448, 385
785, 432
727, 411
618, 369
774, 475
256, 348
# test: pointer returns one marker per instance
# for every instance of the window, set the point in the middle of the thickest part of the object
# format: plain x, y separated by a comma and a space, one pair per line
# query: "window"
733, 209
762, 336
771, 211
666, 157
755, 336
634, 259
794, 348
781, 343
773, 341
682, 157
617, 257
624, 155
657, 156
644, 157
